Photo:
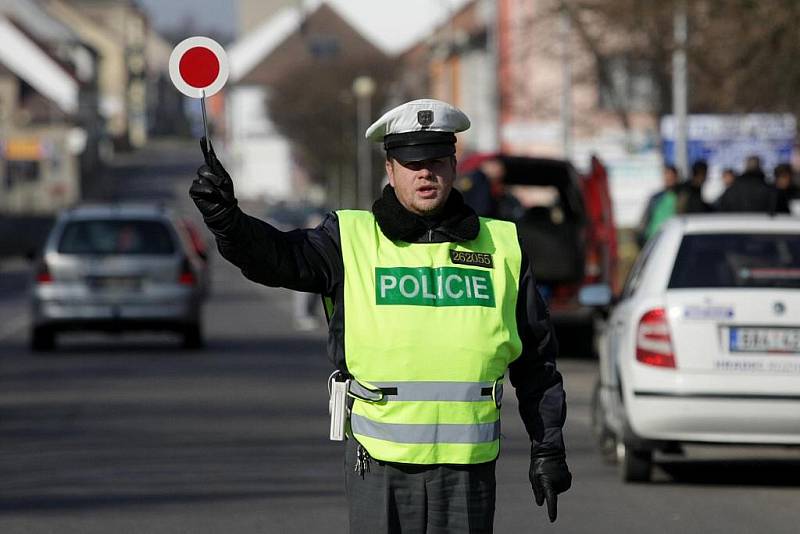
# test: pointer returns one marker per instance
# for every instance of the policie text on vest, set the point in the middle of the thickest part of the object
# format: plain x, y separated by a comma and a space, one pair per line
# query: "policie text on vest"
428, 286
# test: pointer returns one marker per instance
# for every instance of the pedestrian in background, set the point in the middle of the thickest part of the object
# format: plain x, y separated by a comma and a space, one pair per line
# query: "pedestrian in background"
484, 191
477, 191
787, 190
660, 206
728, 177
439, 303
750, 192
690, 193
306, 306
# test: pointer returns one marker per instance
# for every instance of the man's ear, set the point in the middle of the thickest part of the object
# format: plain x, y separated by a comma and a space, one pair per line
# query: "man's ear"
390, 171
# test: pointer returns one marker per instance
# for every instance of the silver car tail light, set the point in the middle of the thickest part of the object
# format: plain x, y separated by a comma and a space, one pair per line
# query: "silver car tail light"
43, 275
187, 276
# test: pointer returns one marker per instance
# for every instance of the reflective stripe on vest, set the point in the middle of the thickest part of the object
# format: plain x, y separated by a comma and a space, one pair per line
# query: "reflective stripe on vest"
418, 433
424, 391
430, 329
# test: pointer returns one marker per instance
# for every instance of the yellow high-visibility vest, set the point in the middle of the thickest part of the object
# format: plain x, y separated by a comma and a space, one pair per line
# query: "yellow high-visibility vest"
430, 329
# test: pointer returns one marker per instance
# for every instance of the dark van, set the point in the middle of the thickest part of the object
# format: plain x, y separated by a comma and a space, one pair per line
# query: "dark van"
564, 220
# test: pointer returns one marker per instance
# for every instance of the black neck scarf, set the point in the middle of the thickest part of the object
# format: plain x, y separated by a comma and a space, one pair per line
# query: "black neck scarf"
456, 220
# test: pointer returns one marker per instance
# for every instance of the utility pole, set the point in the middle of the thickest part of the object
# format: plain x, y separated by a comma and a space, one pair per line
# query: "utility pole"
492, 14
680, 89
566, 83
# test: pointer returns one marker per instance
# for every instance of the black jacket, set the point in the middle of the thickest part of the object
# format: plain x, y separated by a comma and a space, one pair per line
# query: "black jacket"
311, 260
750, 193
690, 199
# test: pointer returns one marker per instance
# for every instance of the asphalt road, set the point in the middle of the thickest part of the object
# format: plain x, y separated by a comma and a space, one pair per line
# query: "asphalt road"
133, 434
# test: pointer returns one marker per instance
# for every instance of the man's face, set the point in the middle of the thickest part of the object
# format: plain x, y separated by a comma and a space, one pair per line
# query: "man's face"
699, 177
670, 178
422, 187
728, 178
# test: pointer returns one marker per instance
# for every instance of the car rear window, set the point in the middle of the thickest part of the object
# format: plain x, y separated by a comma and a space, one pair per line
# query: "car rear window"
737, 260
116, 237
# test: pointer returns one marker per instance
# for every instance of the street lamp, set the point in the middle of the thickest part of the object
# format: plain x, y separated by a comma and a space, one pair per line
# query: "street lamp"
363, 89
680, 98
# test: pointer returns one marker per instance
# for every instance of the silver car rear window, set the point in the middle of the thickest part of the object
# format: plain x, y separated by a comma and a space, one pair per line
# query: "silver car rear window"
116, 237
737, 260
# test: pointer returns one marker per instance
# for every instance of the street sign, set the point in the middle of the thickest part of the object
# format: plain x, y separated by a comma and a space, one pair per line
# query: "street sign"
727, 140
198, 67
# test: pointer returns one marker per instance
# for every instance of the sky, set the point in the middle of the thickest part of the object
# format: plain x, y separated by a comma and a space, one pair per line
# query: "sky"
394, 25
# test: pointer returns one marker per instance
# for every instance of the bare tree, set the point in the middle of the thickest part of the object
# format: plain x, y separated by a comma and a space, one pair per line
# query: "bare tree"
744, 56
313, 106
742, 53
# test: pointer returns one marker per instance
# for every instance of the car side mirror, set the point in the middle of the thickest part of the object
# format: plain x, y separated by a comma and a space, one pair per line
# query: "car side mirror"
596, 295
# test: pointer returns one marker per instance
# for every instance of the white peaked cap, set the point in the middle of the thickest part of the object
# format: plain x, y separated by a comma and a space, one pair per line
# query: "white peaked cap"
421, 115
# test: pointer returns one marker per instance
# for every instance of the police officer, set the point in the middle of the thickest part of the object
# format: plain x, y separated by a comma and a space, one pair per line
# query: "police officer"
428, 305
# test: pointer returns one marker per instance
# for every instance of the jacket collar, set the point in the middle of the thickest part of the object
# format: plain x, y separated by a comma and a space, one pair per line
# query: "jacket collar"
457, 221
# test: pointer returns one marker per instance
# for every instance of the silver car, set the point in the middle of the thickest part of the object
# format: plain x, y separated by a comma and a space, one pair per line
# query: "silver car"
118, 267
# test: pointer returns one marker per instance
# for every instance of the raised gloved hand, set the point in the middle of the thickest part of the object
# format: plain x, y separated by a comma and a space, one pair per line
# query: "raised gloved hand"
549, 476
212, 190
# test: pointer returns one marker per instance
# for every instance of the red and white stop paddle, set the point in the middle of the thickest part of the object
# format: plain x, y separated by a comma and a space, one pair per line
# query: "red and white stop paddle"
198, 67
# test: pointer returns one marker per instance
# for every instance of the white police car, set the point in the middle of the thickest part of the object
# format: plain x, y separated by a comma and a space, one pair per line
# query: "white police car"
703, 345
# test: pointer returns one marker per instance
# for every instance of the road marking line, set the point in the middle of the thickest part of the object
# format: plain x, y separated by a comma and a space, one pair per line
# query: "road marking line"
13, 326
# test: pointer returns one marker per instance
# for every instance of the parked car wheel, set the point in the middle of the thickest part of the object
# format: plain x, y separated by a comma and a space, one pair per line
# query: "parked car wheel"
635, 465
193, 337
43, 339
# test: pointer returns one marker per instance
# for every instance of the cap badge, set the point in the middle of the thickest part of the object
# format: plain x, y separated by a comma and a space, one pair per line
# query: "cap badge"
425, 117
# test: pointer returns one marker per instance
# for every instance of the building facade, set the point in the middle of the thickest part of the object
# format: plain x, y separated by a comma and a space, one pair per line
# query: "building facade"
531, 87
291, 39
123, 80
46, 86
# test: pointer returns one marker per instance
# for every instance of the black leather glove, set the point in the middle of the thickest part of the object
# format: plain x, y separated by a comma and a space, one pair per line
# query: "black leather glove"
212, 190
549, 476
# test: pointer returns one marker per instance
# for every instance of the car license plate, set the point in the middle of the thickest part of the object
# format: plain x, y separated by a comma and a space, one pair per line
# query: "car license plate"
773, 340
115, 283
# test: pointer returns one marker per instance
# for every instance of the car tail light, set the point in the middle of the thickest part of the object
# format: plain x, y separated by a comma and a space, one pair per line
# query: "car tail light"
43, 275
198, 244
593, 267
565, 291
187, 276
653, 342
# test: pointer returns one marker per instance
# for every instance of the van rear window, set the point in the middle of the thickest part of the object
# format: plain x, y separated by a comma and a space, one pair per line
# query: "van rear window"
737, 260
116, 237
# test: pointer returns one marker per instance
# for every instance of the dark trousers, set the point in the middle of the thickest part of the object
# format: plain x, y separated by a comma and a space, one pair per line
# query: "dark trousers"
417, 499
